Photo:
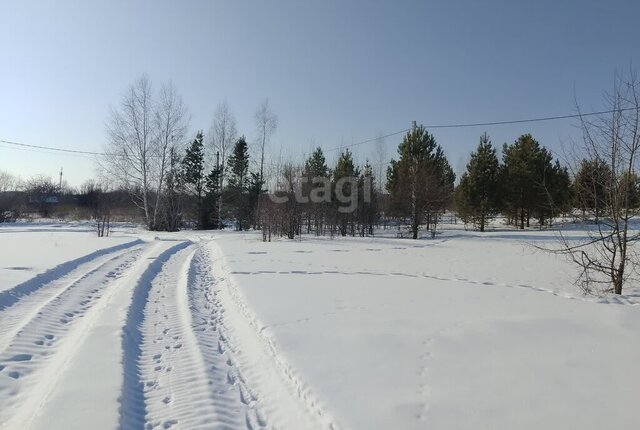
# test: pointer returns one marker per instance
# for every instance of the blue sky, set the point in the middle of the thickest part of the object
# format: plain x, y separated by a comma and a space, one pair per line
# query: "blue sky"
335, 71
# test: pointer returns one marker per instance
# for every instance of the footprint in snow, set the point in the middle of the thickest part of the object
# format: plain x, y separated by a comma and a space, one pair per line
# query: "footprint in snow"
21, 357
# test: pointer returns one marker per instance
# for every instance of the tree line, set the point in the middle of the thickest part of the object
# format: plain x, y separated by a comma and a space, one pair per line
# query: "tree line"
149, 156
526, 184
185, 189
173, 184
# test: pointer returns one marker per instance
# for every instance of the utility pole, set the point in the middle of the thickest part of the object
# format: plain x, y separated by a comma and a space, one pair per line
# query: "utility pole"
60, 185
219, 190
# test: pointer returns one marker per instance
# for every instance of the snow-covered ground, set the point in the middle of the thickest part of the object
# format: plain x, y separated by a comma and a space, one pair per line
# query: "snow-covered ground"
219, 330
25, 254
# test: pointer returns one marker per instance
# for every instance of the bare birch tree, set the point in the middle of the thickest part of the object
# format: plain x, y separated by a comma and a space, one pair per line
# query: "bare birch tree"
380, 160
9, 200
266, 124
141, 133
608, 257
130, 130
223, 136
170, 125
8, 182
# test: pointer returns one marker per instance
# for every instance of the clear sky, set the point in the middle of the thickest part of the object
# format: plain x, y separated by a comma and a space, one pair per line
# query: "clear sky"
335, 71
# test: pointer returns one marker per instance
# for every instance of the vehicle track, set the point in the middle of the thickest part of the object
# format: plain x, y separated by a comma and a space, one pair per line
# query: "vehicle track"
48, 335
235, 402
61, 272
135, 339
179, 369
189, 354
285, 401
22, 303
94, 374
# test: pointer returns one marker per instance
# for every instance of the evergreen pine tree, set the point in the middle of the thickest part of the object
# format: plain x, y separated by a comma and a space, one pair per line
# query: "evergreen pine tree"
526, 172
344, 174
367, 201
316, 171
173, 189
194, 175
316, 164
211, 199
238, 182
559, 193
254, 191
478, 194
629, 190
591, 187
420, 183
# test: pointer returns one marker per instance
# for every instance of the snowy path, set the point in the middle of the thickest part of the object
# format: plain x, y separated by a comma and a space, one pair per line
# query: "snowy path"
464, 333
38, 345
201, 362
273, 394
22, 302
147, 335
194, 331
77, 404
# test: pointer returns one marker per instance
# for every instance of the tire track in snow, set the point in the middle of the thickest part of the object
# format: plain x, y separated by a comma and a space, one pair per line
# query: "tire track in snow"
235, 403
217, 376
176, 388
22, 303
133, 408
93, 376
186, 375
286, 400
38, 353
11, 296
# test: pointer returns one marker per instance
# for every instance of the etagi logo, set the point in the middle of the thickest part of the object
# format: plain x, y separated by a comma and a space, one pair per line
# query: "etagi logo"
347, 191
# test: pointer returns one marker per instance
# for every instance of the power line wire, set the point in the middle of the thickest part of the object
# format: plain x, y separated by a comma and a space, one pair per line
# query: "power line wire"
49, 148
484, 124
362, 142
39, 151
520, 121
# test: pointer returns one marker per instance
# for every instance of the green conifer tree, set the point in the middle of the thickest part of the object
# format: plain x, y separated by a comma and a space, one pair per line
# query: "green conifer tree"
239, 183
420, 183
194, 175
478, 194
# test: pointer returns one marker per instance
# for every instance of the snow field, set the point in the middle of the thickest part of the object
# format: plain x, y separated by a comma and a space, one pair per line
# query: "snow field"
465, 331
31, 249
145, 334
199, 330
